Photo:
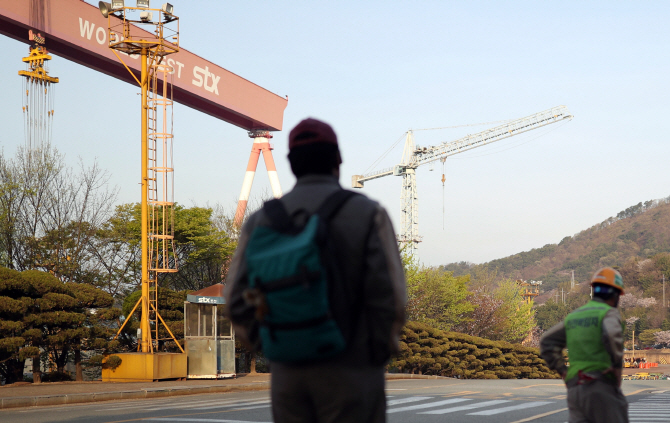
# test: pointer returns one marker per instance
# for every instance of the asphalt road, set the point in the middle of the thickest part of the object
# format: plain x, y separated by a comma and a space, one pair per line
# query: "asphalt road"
409, 401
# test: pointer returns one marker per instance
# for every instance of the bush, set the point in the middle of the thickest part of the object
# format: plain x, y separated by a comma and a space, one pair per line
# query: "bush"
56, 377
426, 350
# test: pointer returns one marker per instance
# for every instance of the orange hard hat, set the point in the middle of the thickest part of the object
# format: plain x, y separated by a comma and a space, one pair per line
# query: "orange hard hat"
608, 276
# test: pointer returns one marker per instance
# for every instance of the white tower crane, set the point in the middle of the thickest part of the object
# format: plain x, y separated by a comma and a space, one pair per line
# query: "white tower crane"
413, 157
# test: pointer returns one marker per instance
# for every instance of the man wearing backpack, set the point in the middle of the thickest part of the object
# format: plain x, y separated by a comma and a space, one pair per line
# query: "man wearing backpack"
317, 284
593, 335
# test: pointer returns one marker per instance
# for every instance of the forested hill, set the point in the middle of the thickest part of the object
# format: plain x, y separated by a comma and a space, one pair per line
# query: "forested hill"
642, 231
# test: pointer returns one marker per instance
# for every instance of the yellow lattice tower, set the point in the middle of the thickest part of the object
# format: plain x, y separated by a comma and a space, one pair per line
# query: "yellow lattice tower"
38, 102
152, 45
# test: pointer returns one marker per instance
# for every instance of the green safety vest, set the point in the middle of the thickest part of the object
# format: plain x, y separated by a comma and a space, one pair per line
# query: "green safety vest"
583, 329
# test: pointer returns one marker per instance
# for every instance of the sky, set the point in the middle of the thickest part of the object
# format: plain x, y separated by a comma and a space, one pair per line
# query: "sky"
375, 69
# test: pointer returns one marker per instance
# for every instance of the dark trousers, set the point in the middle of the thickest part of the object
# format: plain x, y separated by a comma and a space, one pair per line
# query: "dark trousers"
322, 393
597, 402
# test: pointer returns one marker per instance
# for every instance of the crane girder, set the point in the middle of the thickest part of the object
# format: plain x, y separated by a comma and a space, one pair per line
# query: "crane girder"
430, 154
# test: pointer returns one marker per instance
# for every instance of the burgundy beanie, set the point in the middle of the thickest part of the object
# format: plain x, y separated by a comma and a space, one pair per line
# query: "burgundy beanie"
311, 131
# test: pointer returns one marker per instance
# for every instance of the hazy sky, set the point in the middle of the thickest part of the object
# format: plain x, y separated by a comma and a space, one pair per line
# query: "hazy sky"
374, 70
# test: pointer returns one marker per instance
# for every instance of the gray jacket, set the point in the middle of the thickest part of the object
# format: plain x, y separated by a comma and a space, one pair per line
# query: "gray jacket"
370, 263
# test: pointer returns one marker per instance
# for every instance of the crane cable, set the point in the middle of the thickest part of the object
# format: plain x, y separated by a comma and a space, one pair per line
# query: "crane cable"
444, 159
386, 153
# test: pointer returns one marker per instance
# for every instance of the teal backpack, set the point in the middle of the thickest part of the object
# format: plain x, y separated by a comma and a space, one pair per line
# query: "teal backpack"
292, 273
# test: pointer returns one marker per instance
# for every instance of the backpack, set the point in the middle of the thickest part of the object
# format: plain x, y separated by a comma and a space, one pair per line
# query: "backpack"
292, 273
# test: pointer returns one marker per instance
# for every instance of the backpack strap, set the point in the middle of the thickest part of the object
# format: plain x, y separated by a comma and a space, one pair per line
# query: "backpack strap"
281, 221
279, 217
333, 203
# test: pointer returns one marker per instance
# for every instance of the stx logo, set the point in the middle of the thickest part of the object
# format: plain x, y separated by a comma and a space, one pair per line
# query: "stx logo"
202, 76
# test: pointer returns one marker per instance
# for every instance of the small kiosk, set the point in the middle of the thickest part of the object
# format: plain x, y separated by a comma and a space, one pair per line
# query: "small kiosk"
210, 341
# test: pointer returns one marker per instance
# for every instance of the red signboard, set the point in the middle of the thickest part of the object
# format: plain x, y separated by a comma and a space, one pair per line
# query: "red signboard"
77, 31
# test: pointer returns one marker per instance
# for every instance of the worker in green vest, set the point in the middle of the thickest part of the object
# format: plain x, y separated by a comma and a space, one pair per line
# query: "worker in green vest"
593, 335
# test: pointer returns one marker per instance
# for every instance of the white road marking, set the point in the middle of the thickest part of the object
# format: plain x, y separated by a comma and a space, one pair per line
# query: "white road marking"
428, 405
647, 406
157, 406
200, 420
214, 403
253, 408
406, 400
234, 405
465, 407
510, 408
650, 415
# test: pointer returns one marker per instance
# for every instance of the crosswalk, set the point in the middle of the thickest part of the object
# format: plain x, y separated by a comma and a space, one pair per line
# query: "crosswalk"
651, 409
423, 405
464, 406
439, 405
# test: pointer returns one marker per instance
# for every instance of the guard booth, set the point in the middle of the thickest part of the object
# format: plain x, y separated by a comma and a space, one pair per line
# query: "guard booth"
209, 337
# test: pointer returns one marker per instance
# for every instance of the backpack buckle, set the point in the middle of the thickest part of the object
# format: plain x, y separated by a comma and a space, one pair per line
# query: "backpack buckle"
256, 298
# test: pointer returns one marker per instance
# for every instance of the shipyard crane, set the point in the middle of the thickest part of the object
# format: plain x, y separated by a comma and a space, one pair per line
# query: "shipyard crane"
413, 157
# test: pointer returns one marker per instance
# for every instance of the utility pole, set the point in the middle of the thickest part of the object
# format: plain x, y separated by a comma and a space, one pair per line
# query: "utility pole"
572, 282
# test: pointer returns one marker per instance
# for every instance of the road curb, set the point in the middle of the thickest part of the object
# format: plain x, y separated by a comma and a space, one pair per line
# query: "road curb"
393, 376
46, 400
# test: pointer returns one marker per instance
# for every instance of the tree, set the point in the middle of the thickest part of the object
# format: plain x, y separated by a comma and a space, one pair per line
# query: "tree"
648, 336
484, 320
117, 249
663, 337
66, 317
201, 248
49, 315
50, 213
517, 314
551, 313
435, 297
14, 300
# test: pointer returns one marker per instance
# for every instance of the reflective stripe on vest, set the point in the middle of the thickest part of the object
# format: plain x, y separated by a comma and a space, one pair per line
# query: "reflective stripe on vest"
583, 329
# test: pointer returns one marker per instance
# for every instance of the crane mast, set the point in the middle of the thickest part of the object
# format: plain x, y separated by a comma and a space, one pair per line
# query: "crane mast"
413, 157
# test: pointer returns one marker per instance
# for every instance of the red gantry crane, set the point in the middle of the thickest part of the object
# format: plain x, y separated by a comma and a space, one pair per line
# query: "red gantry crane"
413, 157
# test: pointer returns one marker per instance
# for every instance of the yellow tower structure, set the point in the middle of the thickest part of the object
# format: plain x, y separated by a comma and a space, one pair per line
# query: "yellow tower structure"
532, 289
151, 34
39, 87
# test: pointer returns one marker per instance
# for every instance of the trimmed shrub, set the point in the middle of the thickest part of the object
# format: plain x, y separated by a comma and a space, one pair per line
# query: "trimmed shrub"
429, 351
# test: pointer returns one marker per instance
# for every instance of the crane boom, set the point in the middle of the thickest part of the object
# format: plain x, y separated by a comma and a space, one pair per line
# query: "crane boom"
413, 157
516, 127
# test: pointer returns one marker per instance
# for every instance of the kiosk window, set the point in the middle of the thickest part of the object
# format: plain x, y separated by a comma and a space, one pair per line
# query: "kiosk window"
206, 317
222, 323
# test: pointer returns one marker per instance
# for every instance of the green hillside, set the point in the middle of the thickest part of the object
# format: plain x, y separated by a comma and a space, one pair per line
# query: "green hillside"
637, 233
